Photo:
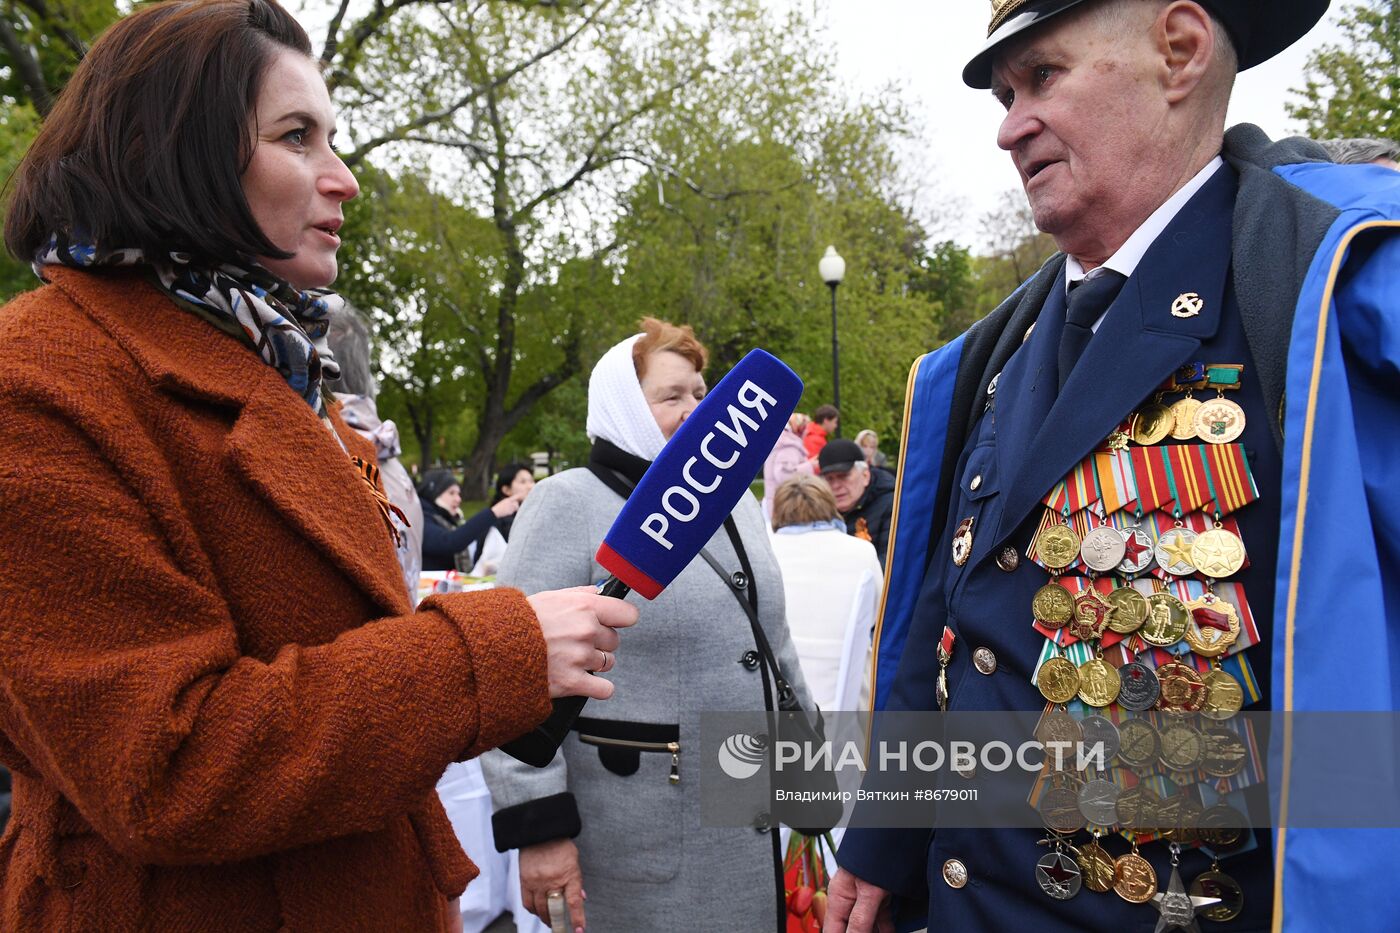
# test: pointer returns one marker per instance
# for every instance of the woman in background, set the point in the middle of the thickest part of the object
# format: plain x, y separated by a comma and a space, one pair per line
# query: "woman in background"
832, 582
618, 810
514, 482
869, 443
449, 543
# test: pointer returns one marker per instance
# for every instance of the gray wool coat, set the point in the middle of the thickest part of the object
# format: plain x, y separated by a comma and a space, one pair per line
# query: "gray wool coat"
648, 864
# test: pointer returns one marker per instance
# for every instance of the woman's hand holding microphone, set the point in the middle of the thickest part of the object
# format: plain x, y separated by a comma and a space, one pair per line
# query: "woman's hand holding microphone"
580, 633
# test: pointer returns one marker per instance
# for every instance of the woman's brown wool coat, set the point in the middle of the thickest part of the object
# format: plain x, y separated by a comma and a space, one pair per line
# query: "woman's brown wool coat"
219, 708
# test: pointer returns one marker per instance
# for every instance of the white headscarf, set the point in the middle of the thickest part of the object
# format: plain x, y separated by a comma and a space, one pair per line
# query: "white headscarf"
617, 409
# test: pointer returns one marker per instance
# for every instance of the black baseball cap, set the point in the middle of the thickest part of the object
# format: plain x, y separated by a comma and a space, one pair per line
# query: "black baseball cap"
1260, 29
839, 455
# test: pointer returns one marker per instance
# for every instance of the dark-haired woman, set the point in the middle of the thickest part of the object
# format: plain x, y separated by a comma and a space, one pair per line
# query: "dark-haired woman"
219, 707
450, 541
514, 482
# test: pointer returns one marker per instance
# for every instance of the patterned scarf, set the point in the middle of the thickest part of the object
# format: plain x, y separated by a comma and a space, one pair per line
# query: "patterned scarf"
284, 326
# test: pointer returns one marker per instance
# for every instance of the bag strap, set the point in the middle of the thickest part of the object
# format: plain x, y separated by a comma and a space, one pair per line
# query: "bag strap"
748, 601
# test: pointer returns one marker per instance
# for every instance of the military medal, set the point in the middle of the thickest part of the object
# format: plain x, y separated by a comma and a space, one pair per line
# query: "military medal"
1059, 806
1183, 813
962, 542
1058, 679
1058, 546
1058, 726
1174, 551
1137, 806
1166, 623
1222, 828
1058, 875
1091, 614
1099, 730
1095, 866
1190, 377
1178, 909
1224, 696
1053, 606
1225, 753
1138, 551
1217, 553
1098, 802
1137, 743
1152, 423
945, 657
1214, 625
1129, 610
1098, 683
1182, 688
1134, 880
1102, 549
1215, 884
1220, 421
1183, 747
1138, 688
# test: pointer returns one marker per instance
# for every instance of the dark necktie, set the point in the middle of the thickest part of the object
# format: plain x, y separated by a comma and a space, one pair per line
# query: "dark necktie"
1088, 300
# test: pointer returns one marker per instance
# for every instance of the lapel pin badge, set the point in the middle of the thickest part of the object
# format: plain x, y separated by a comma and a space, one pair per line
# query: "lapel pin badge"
1187, 304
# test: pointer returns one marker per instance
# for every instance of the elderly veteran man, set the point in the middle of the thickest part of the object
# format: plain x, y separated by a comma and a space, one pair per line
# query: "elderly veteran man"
1160, 474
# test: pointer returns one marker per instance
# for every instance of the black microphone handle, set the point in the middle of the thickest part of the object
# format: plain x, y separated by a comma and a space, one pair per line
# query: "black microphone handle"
538, 748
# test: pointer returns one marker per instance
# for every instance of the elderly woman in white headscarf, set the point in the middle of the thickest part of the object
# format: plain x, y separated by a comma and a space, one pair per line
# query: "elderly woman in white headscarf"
618, 812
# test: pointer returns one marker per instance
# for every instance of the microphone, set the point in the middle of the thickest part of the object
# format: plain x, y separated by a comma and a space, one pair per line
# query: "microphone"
686, 494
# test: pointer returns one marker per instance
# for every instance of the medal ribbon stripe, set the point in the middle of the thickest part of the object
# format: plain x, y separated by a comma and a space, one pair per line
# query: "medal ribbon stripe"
1150, 474
1058, 496
1115, 486
1184, 475
1082, 486
1234, 481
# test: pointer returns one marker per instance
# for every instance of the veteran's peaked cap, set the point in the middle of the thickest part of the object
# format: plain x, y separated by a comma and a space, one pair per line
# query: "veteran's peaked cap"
1260, 29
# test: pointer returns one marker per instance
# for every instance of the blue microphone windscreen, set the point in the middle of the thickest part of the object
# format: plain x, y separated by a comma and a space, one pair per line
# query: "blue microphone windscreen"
701, 474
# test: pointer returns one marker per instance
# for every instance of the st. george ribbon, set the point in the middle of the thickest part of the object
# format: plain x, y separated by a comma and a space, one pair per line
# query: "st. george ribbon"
686, 494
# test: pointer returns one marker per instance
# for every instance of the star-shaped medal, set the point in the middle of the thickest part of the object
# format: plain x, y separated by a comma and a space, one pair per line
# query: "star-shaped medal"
1178, 908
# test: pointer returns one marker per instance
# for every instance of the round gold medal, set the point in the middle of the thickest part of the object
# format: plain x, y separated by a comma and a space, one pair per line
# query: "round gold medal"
1129, 610
1137, 807
1098, 683
1181, 826
1219, 421
1053, 606
1058, 546
1224, 696
1222, 827
1184, 418
1133, 879
1225, 753
1182, 688
1152, 423
1214, 625
1096, 866
1137, 743
1058, 680
1166, 623
1058, 726
1183, 747
1217, 884
1217, 553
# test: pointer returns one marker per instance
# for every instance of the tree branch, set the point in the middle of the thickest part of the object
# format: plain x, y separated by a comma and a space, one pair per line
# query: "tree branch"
437, 116
26, 67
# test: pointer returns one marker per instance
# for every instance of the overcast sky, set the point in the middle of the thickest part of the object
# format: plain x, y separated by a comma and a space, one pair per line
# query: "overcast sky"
922, 45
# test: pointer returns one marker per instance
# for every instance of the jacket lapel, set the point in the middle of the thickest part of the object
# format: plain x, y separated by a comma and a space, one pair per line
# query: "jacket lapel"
286, 454
276, 443
1135, 349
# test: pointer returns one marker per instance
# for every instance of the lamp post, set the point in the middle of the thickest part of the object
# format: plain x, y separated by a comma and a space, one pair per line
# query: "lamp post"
833, 269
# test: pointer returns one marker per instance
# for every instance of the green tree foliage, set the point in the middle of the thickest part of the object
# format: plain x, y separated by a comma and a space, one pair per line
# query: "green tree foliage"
1353, 89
